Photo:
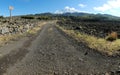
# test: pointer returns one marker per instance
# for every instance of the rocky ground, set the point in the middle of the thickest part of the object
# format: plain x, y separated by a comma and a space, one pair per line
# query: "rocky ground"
52, 52
99, 28
17, 25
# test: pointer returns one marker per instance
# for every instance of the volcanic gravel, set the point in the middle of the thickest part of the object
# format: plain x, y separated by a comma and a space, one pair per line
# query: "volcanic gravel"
53, 53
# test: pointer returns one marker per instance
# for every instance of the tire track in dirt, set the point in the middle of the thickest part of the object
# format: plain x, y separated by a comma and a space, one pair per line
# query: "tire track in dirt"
52, 53
16, 55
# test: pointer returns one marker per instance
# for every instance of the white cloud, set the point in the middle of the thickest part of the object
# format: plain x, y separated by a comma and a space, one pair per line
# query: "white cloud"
71, 9
115, 12
67, 9
58, 12
82, 5
110, 5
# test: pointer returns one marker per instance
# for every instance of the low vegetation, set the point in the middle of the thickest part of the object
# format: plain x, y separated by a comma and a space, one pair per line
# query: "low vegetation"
93, 42
97, 32
8, 37
11, 37
1, 17
27, 17
112, 36
44, 18
35, 29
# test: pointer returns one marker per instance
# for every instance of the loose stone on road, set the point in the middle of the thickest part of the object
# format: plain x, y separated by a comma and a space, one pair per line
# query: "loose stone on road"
53, 53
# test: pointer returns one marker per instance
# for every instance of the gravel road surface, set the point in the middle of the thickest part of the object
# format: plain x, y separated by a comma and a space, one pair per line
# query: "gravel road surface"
51, 52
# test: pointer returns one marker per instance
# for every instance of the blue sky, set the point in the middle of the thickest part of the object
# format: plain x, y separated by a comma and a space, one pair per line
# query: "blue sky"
22, 7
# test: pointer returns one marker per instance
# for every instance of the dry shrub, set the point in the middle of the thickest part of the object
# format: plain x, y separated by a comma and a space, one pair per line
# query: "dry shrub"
112, 36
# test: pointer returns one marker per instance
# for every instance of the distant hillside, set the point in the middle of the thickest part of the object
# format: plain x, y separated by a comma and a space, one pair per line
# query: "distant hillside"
95, 16
87, 16
45, 14
76, 14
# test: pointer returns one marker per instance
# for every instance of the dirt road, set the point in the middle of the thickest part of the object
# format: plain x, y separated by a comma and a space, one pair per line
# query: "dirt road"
54, 53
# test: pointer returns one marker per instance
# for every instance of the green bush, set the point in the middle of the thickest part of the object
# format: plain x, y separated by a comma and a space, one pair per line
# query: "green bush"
27, 17
1, 17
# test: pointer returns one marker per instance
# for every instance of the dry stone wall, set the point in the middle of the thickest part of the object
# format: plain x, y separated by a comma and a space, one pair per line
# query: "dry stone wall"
16, 26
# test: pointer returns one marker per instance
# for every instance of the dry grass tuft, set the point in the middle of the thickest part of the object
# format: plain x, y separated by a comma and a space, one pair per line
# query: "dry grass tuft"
35, 29
112, 36
93, 42
11, 37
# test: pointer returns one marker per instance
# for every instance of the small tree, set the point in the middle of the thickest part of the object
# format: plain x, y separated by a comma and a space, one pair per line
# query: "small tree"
11, 8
